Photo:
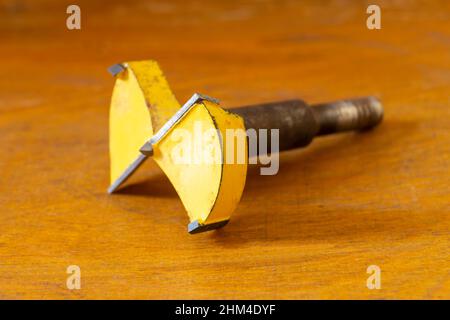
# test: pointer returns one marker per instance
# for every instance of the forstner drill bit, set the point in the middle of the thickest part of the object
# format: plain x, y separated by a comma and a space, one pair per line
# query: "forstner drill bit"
144, 114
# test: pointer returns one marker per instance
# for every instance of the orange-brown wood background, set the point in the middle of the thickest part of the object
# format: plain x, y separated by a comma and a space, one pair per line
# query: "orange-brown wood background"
311, 231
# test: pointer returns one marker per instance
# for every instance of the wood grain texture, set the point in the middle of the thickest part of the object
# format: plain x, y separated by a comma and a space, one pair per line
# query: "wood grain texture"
346, 202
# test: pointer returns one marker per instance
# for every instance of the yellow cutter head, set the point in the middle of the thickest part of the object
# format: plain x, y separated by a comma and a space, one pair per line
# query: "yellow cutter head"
146, 120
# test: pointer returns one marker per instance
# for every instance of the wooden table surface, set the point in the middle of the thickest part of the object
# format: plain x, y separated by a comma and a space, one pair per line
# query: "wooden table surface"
346, 202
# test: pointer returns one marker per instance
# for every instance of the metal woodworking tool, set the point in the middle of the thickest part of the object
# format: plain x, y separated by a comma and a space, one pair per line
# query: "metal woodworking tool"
144, 114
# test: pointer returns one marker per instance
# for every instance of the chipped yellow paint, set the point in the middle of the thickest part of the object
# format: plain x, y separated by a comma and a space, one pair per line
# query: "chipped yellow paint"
141, 103
159, 99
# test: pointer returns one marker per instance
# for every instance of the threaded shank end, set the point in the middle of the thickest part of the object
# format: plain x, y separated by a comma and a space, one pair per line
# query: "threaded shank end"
345, 115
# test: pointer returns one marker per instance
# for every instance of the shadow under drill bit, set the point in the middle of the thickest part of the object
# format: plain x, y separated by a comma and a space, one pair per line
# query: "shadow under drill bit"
266, 220
304, 216
158, 185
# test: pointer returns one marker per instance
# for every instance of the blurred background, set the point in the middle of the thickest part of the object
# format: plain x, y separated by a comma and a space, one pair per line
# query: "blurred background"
344, 203
240, 51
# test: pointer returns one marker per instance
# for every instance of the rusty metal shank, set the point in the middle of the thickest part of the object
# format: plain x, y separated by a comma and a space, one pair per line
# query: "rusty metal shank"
299, 123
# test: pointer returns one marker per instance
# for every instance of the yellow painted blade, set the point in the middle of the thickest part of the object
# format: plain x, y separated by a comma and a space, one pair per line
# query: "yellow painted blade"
192, 154
141, 103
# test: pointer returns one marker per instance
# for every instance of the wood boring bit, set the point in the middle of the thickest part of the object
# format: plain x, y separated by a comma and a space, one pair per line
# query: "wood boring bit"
144, 114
